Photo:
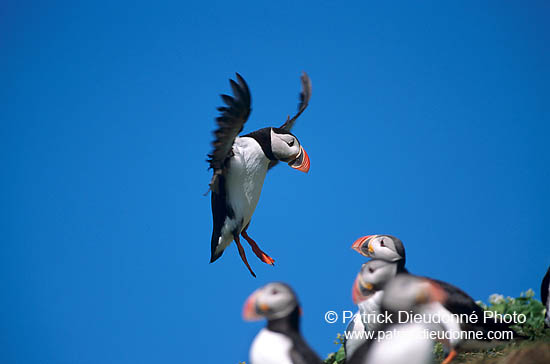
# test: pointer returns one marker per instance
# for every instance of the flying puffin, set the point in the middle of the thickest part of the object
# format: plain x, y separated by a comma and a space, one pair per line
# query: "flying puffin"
240, 164
544, 288
391, 250
280, 342
411, 345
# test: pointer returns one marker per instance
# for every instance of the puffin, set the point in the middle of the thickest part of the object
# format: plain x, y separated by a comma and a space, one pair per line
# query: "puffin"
368, 304
384, 247
390, 250
280, 342
360, 323
544, 288
375, 277
354, 334
240, 164
410, 345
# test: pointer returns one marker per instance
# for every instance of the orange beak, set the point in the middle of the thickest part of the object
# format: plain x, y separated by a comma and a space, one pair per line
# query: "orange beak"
359, 243
356, 293
249, 309
301, 163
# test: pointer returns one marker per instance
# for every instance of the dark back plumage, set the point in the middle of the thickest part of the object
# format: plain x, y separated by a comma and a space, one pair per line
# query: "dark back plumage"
459, 302
220, 210
300, 353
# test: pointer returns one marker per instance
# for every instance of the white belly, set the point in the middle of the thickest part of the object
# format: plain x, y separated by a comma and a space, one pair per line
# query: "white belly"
270, 347
449, 323
243, 185
366, 319
354, 341
370, 309
408, 345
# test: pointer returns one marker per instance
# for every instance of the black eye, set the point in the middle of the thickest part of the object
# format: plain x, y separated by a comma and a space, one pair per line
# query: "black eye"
382, 242
371, 270
291, 143
274, 291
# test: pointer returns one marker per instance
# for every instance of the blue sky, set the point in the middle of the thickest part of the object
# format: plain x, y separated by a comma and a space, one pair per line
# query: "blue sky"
427, 121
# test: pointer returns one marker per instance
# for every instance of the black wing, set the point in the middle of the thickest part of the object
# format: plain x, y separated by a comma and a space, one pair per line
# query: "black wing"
301, 353
302, 105
230, 124
459, 302
362, 351
304, 101
220, 211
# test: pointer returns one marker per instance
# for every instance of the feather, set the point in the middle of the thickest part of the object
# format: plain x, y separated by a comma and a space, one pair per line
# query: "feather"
230, 124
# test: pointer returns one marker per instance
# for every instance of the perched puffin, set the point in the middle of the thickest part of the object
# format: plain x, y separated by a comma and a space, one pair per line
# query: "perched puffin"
280, 342
368, 305
360, 322
385, 247
240, 164
458, 302
544, 288
408, 342
375, 277
354, 335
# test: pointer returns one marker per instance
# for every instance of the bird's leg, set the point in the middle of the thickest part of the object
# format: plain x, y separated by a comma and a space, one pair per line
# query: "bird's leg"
449, 357
256, 249
242, 254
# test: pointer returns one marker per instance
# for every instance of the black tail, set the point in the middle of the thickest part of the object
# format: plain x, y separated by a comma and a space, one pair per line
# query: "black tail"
214, 243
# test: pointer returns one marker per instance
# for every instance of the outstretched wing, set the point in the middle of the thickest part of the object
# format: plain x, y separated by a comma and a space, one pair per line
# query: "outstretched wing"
304, 101
230, 124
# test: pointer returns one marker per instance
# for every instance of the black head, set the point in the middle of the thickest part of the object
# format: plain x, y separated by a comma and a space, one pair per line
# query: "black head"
281, 145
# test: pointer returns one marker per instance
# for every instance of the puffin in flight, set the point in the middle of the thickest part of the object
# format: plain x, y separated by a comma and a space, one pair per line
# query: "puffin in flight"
240, 164
280, 342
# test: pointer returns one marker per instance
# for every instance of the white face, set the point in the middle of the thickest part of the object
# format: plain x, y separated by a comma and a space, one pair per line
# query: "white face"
275, 300
382, 247
285, 147
376, 273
